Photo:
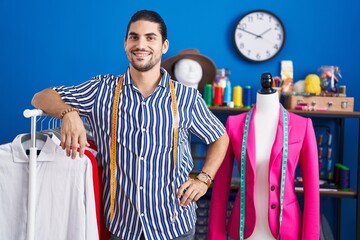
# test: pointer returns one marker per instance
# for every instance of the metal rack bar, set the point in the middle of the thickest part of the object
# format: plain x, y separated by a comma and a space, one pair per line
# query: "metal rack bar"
32, 173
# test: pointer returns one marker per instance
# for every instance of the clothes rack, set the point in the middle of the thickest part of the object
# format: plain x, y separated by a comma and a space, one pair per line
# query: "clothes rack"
33, 114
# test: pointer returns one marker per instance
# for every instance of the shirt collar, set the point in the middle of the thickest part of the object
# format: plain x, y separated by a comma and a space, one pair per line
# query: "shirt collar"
164, 81
47, 148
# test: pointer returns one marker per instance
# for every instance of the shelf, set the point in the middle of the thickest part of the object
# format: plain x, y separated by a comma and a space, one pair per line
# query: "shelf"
332, 193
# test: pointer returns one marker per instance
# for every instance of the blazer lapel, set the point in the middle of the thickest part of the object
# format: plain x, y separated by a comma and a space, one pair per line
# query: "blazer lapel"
279, 139
250, 145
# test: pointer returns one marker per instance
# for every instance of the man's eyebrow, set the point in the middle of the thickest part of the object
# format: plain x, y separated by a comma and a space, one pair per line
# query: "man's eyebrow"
150, 34
133, 34
147, 34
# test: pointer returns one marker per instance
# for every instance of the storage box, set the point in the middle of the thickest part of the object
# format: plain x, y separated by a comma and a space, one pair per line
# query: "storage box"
319, 103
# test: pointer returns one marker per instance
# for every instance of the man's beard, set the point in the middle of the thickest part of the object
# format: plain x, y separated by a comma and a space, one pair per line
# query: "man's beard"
142, 68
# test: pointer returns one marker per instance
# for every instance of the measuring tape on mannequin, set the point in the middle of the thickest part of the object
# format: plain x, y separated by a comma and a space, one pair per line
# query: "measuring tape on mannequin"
114, 121
243, 169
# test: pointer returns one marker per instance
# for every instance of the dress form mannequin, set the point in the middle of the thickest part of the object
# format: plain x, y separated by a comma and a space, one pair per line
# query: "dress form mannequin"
266, 121
188, 72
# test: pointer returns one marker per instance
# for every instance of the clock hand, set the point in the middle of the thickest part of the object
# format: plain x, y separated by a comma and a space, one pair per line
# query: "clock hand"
257, 36
260, 36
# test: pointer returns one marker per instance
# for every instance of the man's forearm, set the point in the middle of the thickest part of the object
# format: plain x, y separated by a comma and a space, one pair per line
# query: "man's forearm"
50, 102
215, 155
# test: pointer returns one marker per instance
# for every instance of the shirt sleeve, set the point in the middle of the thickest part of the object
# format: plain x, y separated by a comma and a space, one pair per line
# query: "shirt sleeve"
205, 124
81, 96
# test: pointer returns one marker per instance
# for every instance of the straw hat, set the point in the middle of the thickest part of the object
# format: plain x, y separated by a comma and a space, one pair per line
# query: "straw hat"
208, 66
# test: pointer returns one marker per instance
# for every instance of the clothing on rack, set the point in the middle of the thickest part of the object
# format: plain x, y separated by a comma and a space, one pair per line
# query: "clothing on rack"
65, 206
91, 153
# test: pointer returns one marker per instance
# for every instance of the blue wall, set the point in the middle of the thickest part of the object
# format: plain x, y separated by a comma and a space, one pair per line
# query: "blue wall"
47, 43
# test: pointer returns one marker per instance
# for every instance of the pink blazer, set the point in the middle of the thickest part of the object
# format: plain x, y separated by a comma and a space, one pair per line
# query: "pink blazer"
302, 149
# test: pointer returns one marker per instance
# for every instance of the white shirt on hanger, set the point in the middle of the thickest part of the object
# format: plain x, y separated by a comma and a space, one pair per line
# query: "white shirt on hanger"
65, 205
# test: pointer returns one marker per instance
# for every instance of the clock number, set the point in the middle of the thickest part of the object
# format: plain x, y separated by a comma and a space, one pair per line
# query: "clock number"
268, 54
260, 16
239, 35
278, 27
258, 56
241, 26
279, 36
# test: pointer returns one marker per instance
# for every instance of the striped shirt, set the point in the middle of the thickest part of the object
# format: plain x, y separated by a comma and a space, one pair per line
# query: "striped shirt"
145, 194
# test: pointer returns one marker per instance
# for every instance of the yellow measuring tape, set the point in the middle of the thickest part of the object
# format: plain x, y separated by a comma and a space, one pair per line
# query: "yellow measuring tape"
176, 121
114, 115
115, 109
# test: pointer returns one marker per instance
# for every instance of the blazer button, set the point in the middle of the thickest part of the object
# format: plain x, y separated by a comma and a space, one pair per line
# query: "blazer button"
273, 206
272, 188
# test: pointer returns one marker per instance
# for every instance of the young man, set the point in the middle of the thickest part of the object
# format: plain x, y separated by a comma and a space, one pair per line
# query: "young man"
141, 122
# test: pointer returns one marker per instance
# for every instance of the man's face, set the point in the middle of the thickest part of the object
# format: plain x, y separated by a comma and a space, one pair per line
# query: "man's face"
144, 47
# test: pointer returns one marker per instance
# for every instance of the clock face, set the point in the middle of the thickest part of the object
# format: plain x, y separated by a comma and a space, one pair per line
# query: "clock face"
259, 35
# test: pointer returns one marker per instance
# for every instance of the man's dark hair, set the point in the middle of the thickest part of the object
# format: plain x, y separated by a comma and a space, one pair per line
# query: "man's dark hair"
150, 16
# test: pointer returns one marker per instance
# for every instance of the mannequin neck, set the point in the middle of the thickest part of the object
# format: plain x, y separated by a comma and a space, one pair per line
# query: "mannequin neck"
267, 103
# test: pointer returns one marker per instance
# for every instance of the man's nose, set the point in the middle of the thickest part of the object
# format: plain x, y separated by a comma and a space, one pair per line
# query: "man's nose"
142, 42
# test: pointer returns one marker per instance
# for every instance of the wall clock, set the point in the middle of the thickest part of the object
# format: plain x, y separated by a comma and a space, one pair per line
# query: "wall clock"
259, 35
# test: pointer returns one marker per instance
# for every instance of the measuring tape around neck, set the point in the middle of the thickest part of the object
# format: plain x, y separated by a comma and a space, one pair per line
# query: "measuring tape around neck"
243, 169
114, 115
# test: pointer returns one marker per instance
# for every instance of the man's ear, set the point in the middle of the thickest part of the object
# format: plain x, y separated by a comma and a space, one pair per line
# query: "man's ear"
165, 47
125, 43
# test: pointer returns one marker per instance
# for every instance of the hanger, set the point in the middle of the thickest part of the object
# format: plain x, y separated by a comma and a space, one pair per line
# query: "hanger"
39, 136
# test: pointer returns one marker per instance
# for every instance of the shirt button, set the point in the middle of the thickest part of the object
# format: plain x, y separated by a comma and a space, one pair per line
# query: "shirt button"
141, 158
143, 129
273, 206
143, 103
142, 214
141, 188
272, 188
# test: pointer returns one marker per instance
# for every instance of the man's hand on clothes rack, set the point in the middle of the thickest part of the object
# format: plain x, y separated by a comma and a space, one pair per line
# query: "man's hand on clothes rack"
73, 135
191, 191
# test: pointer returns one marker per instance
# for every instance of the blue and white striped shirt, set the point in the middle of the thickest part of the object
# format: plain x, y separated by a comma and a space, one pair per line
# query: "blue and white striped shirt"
145, 196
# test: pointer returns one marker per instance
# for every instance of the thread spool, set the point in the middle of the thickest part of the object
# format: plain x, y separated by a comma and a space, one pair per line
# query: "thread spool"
218, 96
247, 97
342, 176
208, 92
227, 95
237, 97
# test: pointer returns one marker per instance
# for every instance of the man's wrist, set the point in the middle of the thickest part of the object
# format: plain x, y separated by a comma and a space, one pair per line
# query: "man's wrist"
208, 175
72, 109
197, 179
204, 178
